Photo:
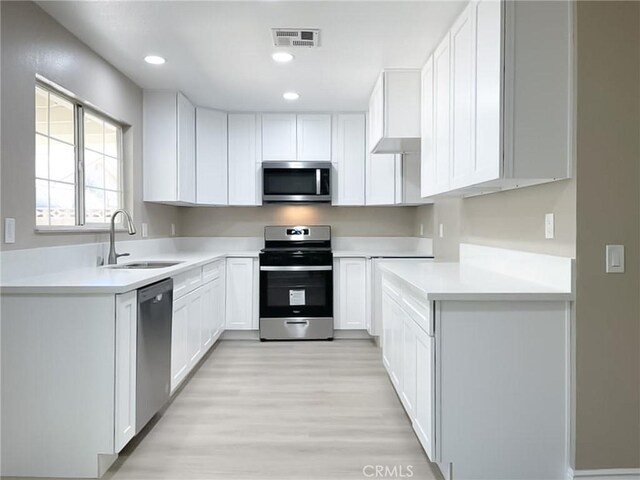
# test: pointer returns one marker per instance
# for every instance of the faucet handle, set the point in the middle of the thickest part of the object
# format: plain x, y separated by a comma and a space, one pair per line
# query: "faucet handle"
118, 255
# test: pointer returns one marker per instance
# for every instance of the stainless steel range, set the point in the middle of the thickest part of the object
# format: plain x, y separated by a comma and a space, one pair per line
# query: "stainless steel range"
296, 283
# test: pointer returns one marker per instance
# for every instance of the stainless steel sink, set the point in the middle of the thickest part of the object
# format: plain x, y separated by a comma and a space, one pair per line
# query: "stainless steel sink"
144, 265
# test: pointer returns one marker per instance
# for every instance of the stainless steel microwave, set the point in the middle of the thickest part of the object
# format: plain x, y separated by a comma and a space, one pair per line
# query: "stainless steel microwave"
296, 182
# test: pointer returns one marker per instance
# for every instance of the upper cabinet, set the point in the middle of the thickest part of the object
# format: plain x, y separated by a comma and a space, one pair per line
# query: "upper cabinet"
394, 112
244, 159
491, 123
211, 157
169, 157
349, 159
291, 137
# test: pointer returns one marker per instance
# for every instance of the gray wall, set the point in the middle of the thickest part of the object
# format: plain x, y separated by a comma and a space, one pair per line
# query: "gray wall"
32, 42
250, 221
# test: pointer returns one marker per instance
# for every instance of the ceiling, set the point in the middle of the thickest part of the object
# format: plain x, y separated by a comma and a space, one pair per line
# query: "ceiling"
219, 53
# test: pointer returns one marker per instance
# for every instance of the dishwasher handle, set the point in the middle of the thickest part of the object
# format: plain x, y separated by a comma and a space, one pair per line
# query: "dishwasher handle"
155, 292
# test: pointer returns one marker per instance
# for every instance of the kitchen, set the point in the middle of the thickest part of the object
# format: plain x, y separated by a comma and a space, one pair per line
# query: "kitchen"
457, 299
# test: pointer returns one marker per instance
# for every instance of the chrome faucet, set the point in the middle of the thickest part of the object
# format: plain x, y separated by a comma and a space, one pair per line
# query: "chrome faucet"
113, 256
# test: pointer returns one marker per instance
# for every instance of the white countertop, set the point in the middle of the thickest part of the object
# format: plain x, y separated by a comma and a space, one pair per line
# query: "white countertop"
380, 254
455, 281
108, 281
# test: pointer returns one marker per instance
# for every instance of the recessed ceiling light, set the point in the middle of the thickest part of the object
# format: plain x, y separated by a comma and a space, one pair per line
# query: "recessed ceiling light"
282, 57
154, 59
291, 96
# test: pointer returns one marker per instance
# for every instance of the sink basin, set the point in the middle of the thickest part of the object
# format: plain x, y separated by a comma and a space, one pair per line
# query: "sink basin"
144, 265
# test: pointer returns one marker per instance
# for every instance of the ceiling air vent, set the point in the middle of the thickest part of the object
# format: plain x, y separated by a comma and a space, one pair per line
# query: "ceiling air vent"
296, 37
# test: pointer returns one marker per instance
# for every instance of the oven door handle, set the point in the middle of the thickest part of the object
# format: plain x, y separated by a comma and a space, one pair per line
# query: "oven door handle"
298, 268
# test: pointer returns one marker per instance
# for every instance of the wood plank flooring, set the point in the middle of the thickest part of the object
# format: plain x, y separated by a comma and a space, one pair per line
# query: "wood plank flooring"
280, 410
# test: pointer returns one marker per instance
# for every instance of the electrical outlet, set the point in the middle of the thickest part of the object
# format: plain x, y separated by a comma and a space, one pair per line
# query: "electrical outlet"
421, 230
145, 230
441, 230
549, 226
9, 230
173, 229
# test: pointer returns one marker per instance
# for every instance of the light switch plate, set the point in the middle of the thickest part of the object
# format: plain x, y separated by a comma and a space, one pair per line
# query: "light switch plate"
145, 230
615, 259
549, 226
9, 230
441, 230
421, 229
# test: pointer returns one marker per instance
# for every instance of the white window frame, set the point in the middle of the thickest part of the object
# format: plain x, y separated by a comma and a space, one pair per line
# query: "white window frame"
80, 108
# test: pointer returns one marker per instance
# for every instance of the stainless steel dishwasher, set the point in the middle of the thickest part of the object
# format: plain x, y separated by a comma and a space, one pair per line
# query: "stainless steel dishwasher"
153, 381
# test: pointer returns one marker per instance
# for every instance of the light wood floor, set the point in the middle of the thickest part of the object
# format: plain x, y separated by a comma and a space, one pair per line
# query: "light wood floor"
279, 410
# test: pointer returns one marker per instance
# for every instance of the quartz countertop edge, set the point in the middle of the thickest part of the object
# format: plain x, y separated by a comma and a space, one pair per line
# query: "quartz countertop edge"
458, 282
106, 280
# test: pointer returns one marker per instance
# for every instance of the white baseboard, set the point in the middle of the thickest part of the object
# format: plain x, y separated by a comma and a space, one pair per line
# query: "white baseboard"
605, 474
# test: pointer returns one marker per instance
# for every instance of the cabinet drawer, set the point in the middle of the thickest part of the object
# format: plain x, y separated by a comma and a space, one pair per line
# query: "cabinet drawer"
211, 271
186, 282
419, 311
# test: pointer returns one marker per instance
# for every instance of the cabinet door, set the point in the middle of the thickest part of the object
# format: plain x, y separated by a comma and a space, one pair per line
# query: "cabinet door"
387, 330
381, 179
208, 315
219, 306
240, 293
279, 137
243, 186
488, 158
313, 137
391, 337
186, 150
409, 375
126, 351
463, 53
376, 113
211, 157
424, 415
350, 156
179, 359
352, 296
442, 116
427, 142
194, 327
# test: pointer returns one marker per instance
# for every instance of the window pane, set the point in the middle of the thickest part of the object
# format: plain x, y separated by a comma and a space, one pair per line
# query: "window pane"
111, 173
93, 169
93, 133
62, 162
112, 203
42, 202
63, 203
61, 119
110, 139
42, 111
94, 205
42, 156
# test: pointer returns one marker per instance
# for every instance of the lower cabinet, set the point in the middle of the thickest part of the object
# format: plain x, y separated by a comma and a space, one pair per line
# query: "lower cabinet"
242, 294
351, 293
408, 354
198, 321
125, 374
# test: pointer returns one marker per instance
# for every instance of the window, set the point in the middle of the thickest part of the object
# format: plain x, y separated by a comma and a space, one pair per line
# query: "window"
78, 163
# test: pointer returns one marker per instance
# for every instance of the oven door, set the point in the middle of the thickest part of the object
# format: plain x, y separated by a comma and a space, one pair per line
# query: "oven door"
303, 182
296, 291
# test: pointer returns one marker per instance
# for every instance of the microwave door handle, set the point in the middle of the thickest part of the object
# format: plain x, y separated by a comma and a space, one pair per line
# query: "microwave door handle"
318, 181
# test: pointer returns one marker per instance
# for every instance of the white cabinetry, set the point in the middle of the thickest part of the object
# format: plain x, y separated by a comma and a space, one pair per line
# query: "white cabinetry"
244, 159
502, 81
351, 289
313, 137
198, 317
394, 112
349, 159
279, 136
424, 410
381, 178
211, 157
291, 137
168, 148
126, 355
241, 288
